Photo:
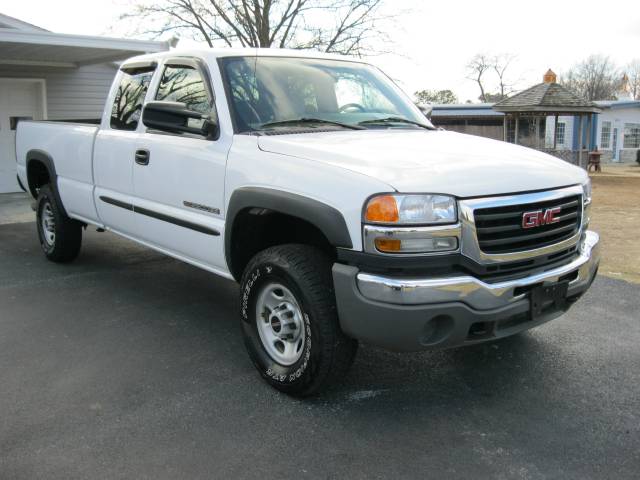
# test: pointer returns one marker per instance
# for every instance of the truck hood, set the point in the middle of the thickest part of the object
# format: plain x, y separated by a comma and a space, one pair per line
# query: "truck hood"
431, 161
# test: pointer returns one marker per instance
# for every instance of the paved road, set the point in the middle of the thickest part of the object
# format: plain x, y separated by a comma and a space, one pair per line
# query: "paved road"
15, 208
127, 364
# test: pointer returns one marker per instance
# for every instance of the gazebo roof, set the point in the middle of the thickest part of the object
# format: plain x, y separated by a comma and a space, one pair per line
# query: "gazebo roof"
546, 97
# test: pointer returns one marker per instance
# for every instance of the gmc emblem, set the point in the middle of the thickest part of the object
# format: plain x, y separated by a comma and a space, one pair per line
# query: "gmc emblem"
540, 217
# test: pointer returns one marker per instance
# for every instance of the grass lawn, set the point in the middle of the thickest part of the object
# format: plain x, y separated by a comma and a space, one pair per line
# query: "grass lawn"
615, 215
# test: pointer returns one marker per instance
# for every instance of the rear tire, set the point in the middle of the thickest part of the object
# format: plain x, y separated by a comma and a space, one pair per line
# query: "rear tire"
290, 321
59, 235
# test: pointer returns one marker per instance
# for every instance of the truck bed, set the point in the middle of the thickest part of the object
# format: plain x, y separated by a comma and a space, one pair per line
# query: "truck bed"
71, 146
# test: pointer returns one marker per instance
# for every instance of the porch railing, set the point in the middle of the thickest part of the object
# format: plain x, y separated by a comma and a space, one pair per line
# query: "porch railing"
570, 156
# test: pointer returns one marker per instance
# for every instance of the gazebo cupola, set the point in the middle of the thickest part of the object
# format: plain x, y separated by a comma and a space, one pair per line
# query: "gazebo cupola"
526, 114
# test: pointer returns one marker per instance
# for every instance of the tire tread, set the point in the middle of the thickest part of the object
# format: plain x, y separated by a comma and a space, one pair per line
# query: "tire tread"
68, 231
311, 268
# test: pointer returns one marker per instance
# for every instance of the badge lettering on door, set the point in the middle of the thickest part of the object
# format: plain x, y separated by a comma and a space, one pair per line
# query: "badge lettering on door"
203, 208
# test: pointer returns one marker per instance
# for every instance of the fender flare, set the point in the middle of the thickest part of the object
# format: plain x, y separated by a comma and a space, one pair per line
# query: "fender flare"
324, 217
44, 158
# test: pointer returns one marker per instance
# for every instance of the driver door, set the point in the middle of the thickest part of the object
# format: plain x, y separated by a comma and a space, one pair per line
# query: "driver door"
178, 179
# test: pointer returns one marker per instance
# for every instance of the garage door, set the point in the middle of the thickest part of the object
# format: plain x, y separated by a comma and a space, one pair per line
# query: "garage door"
18, 99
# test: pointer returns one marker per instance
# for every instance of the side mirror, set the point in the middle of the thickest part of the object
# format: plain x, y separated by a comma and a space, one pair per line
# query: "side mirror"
175, 117
426, 109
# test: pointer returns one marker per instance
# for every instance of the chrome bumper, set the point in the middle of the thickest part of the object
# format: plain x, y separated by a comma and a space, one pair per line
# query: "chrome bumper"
476, 293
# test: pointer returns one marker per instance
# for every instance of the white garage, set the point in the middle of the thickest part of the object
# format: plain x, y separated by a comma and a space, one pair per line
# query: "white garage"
52, 76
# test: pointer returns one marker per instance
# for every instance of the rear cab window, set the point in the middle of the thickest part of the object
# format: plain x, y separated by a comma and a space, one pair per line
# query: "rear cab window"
132, 89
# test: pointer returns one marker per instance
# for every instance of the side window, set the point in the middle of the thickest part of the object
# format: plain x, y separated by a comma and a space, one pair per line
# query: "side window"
631, 135
186, 85
561, 129
127, 106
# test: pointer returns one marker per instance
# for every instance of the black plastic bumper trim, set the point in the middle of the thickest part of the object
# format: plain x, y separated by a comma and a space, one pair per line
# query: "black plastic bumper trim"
20, 184
117, 203
430, 326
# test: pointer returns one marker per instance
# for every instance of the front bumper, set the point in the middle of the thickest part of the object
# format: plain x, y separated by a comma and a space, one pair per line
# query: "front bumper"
408, 314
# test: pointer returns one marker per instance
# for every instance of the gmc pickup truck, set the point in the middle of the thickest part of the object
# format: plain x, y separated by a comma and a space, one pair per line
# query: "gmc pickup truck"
316, 183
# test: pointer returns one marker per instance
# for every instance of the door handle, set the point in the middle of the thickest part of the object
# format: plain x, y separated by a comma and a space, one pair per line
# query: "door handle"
142, 157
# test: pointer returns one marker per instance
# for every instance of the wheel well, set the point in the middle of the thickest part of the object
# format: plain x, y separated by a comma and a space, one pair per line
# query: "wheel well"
37, 176
255, 229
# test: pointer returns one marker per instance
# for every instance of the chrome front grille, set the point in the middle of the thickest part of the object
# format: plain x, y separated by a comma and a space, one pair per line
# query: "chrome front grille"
500, 229
492, 230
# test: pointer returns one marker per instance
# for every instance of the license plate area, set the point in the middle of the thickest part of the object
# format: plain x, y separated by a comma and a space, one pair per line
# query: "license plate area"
548, 297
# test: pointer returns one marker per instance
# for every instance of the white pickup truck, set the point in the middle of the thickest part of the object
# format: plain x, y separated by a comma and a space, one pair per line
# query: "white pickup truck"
317, 184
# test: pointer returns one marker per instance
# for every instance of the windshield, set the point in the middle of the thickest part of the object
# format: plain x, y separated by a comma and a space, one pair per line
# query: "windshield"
288, 93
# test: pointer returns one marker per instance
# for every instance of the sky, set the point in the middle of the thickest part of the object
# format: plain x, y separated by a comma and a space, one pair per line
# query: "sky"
435, 40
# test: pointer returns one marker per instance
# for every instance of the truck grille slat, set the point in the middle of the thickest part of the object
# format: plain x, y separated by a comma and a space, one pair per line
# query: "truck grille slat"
507, 240
510, 228
500, 229
515, 211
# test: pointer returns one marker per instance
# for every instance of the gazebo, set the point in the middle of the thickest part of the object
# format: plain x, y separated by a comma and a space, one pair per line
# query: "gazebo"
526, 114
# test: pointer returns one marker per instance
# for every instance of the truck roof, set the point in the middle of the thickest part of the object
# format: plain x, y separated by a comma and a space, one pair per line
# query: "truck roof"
213, 53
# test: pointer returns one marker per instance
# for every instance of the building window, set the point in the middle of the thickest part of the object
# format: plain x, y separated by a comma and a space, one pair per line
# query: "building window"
511, 130
605, 135
631, 135
560, 129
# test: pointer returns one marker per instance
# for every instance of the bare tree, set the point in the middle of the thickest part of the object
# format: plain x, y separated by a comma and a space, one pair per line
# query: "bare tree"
500, 65
492, 97
335, 26
595, 78
477, 67
633, 72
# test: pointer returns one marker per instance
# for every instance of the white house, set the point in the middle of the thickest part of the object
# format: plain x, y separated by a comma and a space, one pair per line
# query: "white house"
53, 76
616, 131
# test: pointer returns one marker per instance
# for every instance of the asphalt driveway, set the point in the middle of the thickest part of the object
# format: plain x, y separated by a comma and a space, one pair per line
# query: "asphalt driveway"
127, 364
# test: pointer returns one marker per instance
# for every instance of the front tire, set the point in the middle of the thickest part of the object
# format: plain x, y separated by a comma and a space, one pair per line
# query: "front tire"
59, 235
290, 321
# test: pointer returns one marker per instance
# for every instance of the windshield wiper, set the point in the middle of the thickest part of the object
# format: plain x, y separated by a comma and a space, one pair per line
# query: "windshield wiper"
303, 121
395, 120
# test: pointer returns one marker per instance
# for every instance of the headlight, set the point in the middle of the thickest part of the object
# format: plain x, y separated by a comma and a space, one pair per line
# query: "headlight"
586, 191
398, 209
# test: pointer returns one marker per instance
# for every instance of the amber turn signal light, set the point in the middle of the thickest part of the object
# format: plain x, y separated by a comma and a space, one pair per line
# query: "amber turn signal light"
388, 245
382, 209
